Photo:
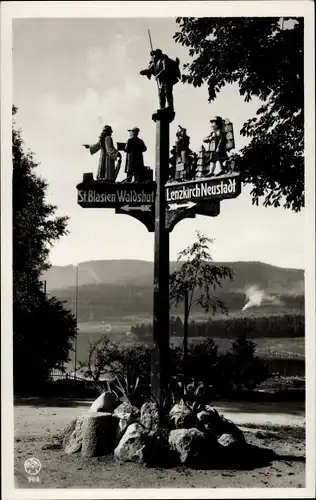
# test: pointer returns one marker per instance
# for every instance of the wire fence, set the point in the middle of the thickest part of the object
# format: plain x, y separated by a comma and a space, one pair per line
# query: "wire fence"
60, 375
56, 375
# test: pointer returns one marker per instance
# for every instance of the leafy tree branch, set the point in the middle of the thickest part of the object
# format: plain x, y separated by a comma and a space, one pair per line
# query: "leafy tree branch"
264, 57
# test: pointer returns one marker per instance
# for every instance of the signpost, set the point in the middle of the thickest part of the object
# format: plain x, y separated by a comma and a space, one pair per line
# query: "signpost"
160, 205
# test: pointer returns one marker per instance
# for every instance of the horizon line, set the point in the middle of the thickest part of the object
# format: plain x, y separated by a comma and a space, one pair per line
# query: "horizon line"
174, 260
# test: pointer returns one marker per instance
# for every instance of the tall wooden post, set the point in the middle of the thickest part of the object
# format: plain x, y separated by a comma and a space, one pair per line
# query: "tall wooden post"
76, 318
160, 370
185, 330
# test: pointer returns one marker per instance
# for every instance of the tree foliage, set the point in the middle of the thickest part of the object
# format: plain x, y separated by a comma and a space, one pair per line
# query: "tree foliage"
199, 276
247, 369
273, 326
264, 57
42, 327
195, 283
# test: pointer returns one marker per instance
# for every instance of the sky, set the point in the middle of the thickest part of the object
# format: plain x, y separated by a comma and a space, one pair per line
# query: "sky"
73, 76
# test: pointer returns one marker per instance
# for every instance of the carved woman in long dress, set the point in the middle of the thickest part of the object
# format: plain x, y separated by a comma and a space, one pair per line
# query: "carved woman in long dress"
108, 155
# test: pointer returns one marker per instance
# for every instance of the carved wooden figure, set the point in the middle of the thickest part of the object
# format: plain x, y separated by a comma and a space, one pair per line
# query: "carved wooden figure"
167, 73
134, 149
217, 146
107, 169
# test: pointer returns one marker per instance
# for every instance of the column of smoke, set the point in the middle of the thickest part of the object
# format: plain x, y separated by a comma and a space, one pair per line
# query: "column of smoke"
256, 297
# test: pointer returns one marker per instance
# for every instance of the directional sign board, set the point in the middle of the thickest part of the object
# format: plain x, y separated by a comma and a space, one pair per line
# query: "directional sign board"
183, 199
225, 186
131, 196
99, 194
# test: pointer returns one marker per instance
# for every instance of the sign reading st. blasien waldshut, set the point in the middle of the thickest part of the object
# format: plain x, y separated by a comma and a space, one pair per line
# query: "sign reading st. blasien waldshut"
113, 195
121, 196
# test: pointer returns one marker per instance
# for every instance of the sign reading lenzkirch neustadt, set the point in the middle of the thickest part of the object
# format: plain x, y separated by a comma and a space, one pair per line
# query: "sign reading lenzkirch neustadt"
113, 195
204, 189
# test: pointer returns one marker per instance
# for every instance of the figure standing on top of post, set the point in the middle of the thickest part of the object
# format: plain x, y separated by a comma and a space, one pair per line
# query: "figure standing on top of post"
167, 73
107, 169
134, 149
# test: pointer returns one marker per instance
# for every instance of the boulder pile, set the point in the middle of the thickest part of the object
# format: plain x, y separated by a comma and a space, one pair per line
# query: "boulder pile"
137, 435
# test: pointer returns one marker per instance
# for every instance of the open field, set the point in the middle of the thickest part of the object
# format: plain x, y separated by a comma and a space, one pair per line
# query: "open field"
37, 421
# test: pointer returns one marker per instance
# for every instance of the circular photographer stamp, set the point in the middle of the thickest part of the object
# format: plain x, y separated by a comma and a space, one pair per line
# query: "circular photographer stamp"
32, 466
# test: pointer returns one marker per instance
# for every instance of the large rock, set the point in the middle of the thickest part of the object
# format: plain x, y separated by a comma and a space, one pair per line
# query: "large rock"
230, 428
72, 441
70, 427
132, 444
99, 434
126, 415
65, 434
140, 445
228, 441
210, 421
233, 451
106, 403
182, 417
192, 446
149, 416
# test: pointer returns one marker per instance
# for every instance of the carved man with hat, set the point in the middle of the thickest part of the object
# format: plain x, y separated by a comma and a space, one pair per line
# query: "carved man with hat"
167, 74
134, 149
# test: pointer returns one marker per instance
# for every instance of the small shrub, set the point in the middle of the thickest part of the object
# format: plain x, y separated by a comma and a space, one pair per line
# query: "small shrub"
193, 394
126, 370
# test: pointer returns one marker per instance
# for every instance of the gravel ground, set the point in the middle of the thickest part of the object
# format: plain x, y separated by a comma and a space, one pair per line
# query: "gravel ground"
36, 423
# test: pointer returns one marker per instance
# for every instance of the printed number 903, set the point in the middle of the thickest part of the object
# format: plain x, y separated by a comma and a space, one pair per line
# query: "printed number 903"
33, 479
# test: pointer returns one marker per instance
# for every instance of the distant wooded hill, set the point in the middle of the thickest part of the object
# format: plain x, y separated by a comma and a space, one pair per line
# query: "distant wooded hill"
120, 288
269, 278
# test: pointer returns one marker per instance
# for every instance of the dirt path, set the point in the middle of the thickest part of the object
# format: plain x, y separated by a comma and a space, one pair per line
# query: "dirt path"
263, 413
34, 417
34, 425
